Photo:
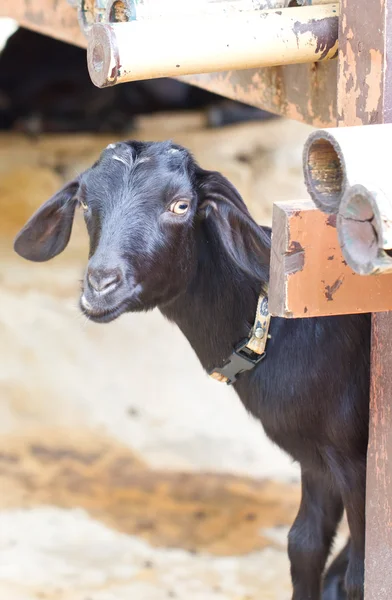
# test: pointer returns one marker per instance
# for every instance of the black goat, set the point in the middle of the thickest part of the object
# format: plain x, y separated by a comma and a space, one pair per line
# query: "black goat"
165, 233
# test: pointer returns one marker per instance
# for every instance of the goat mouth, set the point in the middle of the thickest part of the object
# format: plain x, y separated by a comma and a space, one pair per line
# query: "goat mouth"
102, 316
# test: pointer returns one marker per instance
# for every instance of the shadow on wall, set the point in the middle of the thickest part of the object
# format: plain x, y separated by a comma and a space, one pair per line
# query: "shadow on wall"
56, 94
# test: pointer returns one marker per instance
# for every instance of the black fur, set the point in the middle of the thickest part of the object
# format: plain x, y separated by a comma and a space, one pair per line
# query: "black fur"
204, 271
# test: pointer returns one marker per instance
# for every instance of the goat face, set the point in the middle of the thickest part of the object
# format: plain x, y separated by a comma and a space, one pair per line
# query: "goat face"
139, 207
144, 207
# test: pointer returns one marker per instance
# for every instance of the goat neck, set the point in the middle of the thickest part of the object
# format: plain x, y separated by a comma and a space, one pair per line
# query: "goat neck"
218, 308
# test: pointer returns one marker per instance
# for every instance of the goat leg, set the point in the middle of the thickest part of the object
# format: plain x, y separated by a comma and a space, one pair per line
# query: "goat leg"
354, 502
334, 587
312, 533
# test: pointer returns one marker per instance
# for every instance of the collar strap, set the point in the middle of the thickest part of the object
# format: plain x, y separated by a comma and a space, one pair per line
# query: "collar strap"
248, 353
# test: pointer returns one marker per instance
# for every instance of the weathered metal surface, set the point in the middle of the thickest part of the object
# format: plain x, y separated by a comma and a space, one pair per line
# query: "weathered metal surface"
309, 276
302, 92
365, 97
121, 52
366, 51
55, 18
379, 473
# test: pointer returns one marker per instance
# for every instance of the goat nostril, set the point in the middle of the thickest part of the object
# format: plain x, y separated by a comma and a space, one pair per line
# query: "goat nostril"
101, 281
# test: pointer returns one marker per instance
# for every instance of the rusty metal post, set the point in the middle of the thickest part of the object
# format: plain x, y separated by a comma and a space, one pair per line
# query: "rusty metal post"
365, 97
378, 579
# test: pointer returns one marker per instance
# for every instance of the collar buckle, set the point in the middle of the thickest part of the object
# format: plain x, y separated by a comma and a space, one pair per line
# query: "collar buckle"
248, 353
242, 359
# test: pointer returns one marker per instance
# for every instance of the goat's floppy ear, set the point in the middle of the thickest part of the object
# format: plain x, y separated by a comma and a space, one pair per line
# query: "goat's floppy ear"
47, 232
220, 204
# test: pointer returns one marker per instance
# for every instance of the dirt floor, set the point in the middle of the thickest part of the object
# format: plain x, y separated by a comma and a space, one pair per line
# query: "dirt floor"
126, 474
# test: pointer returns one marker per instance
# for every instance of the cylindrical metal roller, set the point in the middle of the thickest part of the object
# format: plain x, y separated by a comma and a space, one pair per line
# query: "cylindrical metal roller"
335, 159
364, 225
121, 52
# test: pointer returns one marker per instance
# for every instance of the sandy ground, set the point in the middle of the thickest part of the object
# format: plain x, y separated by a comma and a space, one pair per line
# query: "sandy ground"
124, 472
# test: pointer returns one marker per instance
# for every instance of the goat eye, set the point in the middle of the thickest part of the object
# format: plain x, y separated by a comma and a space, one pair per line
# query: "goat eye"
180, 207
83, 205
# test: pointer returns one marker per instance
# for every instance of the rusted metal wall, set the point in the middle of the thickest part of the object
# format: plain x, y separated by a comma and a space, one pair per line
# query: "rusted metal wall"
302, 92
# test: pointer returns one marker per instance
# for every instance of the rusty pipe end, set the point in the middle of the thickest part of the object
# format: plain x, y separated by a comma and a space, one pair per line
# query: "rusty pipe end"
360, 232
121, 11
324, 171
102, 55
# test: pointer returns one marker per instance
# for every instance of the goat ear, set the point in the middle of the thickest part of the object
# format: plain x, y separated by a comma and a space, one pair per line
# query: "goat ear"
47, 232
221, 206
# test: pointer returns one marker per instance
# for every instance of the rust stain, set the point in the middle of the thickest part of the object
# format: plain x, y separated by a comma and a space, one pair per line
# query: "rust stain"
363, 62
295, 91
216, 513
325, 31
331, 289
331, 221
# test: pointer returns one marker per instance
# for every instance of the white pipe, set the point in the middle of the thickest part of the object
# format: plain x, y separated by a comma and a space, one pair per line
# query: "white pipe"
364, 226
121, 52
338, 158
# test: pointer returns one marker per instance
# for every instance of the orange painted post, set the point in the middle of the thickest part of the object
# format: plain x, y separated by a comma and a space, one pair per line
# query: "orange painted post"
309, 276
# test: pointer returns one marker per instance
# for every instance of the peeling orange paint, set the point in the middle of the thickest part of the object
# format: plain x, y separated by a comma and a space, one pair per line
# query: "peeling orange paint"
310, 287
374, 81
349, 89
